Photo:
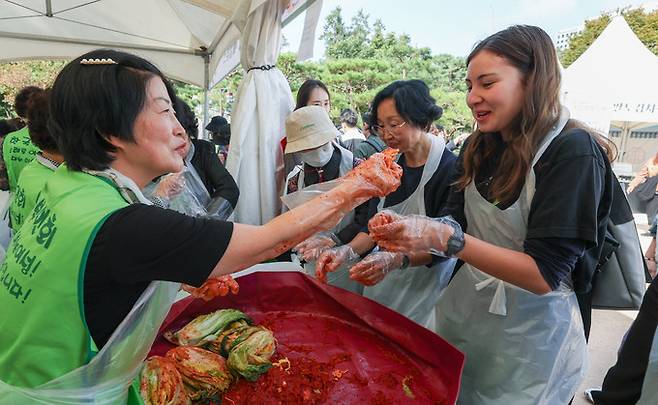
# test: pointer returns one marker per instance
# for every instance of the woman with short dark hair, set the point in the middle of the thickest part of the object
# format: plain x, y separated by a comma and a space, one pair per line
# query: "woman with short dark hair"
402, 113
17, 149
89, 251
34, 175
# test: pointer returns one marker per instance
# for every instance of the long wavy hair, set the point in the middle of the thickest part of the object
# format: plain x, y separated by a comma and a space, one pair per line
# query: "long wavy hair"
531, 51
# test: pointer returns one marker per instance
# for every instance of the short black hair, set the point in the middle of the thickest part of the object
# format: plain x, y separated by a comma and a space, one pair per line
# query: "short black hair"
349, 117
38, 114
412, 101
305, 90
91, 102
186, 117
23, 98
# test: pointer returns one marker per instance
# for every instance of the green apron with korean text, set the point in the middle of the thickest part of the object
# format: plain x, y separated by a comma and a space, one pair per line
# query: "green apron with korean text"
17, 151
28, 188
45, 264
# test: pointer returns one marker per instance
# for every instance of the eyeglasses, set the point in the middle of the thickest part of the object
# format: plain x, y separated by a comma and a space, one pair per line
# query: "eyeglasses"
388, 128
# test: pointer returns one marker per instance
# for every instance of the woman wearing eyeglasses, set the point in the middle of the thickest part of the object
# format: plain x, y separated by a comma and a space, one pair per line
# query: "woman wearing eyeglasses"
402, 114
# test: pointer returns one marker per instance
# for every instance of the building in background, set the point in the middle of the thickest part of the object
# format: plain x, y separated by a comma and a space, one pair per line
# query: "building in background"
564, 36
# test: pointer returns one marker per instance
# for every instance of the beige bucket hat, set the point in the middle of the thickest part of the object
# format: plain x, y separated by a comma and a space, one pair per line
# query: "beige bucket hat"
308, 128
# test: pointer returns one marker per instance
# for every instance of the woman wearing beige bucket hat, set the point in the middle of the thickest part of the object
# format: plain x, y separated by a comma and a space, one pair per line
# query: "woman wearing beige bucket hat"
312, 135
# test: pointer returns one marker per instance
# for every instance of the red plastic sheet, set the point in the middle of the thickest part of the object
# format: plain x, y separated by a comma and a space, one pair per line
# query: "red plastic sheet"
380, 356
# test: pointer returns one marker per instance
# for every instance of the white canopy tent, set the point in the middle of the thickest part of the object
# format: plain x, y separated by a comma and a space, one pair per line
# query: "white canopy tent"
613, 82
195, 41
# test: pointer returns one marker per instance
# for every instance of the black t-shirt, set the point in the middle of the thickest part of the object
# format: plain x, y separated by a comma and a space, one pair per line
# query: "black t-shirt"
573, 195
436, 190
217, 180
138, 244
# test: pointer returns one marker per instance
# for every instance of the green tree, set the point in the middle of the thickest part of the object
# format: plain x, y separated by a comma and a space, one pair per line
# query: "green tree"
16, 75
362, 58
456, 116
644, 24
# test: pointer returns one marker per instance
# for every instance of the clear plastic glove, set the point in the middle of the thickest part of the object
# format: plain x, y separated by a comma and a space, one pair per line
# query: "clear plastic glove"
214, 287
170, 186
376, 177
311, 248
413, 234
330, 260
374, 267
219, 208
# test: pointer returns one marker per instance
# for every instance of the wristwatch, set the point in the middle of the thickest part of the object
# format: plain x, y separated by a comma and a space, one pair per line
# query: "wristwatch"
455, 242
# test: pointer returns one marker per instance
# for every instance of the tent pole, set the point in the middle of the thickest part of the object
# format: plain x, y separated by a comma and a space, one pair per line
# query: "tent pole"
206, 84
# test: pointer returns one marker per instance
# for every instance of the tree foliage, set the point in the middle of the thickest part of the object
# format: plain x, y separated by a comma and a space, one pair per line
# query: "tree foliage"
644, 24
361, 58
16, 75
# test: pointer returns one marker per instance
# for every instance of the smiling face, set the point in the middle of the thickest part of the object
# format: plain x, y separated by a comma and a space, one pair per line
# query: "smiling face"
159, 139
396, 132
496, 92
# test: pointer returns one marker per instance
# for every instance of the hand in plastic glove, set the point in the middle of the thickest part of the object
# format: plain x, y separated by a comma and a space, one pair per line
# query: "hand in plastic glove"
414, 233
378, 175
214, 287
170, 186
374, 267
330, 260
311, 248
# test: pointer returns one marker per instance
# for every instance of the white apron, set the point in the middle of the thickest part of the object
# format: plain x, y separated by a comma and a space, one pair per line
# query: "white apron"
650, 384
521, 348
339, 278
414, 292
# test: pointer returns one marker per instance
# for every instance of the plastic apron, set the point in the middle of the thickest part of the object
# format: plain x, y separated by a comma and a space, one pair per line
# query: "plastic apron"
650, 386
339, 278
521, 348
414, 292
107, 377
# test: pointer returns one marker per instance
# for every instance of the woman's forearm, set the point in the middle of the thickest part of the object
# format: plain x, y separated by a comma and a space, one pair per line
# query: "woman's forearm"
508, 265
251, 244
362, 243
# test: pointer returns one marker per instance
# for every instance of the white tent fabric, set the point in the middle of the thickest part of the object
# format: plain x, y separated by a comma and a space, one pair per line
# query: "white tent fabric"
194, 41
613, 82
617, 71
172, 33
264, 100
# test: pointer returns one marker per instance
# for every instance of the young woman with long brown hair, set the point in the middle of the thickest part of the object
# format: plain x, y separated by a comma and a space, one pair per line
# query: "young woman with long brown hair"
533, 195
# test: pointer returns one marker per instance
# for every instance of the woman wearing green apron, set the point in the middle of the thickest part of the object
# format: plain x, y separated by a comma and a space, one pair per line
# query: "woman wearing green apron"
35, 174
402, 114
533, 194
95, 265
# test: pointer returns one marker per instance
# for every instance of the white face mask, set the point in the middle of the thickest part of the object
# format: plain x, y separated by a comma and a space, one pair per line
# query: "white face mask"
318, 157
